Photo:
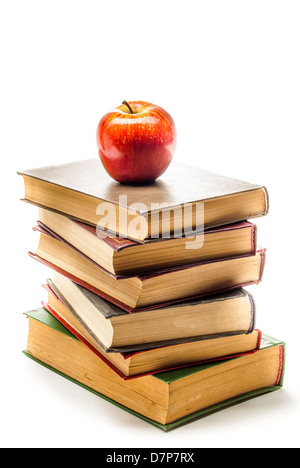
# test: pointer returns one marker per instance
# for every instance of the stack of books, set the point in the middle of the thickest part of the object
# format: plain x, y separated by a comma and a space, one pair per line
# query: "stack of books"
145, 304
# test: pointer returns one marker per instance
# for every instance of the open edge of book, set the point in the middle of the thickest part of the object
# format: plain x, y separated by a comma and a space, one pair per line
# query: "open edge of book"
229, 313
219, 210
181, 421
163, 356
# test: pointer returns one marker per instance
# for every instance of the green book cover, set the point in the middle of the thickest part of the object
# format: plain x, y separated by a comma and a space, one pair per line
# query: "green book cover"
43, 316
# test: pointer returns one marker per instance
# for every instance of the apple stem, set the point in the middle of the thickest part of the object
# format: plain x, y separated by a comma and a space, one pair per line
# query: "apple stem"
126, 104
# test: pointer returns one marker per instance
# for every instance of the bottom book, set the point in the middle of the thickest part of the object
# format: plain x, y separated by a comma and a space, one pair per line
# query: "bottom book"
168, 399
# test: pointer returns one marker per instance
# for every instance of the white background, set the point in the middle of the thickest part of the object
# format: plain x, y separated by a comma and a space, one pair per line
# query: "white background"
228, 72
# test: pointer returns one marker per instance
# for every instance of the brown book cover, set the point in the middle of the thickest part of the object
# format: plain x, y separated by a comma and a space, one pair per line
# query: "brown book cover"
86, 184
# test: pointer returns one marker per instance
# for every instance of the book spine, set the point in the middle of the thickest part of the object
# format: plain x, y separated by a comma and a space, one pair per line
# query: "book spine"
259, 338
253, 239
253, 313
281, 365
267, 201
262, 264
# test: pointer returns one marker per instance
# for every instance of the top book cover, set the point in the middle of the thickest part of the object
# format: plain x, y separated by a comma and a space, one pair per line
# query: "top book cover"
183, 201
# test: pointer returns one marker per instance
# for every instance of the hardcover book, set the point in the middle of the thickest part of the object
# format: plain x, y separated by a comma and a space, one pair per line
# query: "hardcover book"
171, 355
167, 206
114, 329
150, 289
122, 256
200, 330
168, 399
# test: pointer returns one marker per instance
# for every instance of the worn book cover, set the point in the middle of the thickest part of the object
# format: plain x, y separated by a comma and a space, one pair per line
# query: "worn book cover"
79, 188
172, 378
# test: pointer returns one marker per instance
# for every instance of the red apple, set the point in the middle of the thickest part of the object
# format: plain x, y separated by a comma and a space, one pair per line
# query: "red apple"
136, 142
